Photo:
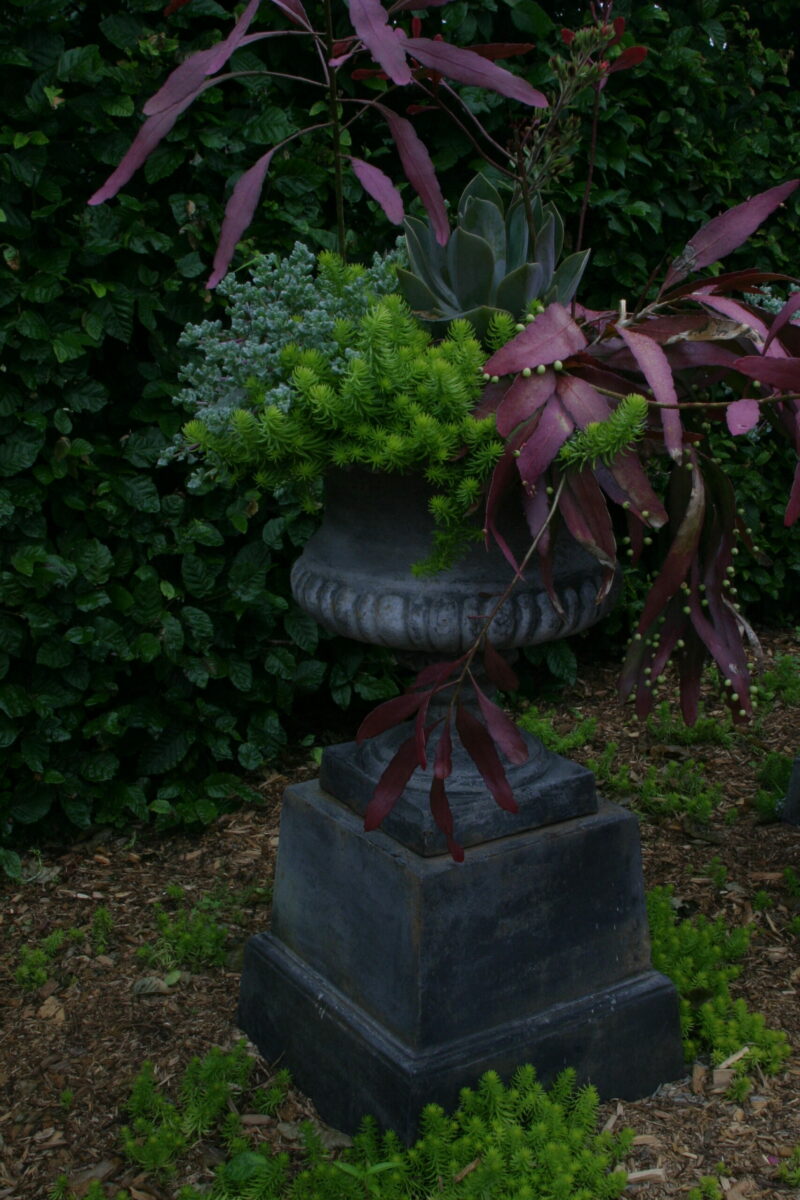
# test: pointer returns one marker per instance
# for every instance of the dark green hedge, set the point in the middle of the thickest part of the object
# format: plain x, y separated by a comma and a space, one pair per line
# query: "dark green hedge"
150, 654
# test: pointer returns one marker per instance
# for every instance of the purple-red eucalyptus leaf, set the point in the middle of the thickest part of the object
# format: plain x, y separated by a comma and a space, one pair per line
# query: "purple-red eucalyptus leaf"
581, 401
681, 553
727, 232
742, 415
553, 336
586, 516
504, 480
391, 784
742, 281
371, 22
435, 674
783, 373
491, 396
440, 810
187, 78
700, 355
443, 758
294, 11
390, 713
692, 660
502, 729
537, 513
238, 214
783, 318
418, 168
173, 7
380, 187
525, 397
473, 69
150, 134
655, 367
477, 741
422, 732
498, 669
493, 50
727, 653
538, 452
631, 477
632, 57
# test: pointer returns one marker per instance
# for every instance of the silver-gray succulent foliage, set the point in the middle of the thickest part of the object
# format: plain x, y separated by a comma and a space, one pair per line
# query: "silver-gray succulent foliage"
298, 298
491, 263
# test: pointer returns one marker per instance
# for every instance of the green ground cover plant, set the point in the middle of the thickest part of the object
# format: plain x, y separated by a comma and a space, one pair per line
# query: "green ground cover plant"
702, 958
521, 1141
35, 961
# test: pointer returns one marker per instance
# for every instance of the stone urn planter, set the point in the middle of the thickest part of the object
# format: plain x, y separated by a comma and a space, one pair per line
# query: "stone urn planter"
394, 976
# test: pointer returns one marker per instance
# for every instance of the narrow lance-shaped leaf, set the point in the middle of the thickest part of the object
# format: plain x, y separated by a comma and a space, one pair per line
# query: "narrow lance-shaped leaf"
502, 729
468, 67
419, 170
479, 746
187, 78
586, 515
390, 713
552, 336
631, 477
781, 373
294, 11
523, 399
371, 23
440, 807
152, 131
681, 552
391, 784
238, 215
656, 369
380, 187
538, 452
783, 318
726, 232
498, 669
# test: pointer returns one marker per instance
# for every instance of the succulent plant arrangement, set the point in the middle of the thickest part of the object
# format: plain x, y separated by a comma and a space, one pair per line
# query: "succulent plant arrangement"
593, 420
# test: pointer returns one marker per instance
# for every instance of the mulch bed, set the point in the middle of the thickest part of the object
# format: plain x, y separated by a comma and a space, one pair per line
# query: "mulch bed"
70, 1049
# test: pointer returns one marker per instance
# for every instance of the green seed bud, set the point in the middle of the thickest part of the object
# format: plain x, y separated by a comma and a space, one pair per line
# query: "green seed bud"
648, 541
686, 610
526, 371
558, 365
519, 327
495, 379
540, 370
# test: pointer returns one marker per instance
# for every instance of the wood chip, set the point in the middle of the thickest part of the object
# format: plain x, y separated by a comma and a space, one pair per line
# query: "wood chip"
651, 1175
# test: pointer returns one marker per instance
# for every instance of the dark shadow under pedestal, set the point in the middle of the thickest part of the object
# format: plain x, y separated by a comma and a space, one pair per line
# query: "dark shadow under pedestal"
392, 979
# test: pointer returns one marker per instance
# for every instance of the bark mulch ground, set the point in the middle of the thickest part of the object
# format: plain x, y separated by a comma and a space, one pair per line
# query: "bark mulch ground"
70, 1048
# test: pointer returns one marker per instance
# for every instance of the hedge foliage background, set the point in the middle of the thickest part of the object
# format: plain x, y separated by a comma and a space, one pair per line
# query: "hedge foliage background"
150, 653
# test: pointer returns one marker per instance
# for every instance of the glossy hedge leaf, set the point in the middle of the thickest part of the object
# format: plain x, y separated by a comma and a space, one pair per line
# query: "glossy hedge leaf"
14, 700
280, 662
247, 576
249, 756
165, 753
310, 675
98, 768
94, 560
198, 577
199, 624
138, 491
172, 634
240, 674
302, 629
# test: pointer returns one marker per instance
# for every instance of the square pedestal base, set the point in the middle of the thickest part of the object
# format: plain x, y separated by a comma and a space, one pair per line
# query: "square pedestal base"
391, 979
